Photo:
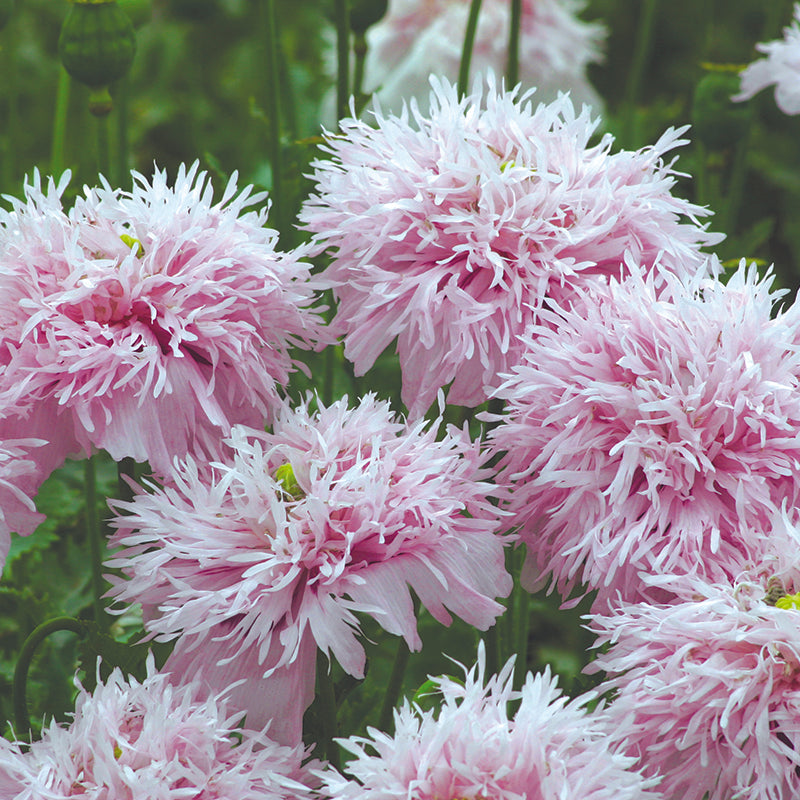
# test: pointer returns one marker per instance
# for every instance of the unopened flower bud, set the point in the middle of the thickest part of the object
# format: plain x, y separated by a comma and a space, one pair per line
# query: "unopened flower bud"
717, 121
365, 13
97, 42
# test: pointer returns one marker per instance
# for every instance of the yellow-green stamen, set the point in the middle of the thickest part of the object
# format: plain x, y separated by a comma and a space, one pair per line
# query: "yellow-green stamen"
134, 244
789, 601
285, 476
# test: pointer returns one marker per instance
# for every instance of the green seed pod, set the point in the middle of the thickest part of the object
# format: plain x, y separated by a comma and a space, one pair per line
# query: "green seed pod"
365, 13
717, 121
6, 10
97, 43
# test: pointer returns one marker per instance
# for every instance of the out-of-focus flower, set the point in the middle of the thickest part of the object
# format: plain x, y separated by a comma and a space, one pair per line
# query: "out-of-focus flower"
418, 38
781, 67
550, 749
269, 556
707, 689
151, 741
451, 235
145, 322
20, 479
652, 433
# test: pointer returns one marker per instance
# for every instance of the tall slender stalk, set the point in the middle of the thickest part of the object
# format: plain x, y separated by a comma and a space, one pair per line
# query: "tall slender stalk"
122, 105
342, 12
469, 41
20, 686
327, 697
392, 694
512, 70
96, 543
103, 150
8, 175
60, 122
278, 211
641, 53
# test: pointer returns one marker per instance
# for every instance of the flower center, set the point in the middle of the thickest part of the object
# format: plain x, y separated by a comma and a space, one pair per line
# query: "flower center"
285, 476
788, 601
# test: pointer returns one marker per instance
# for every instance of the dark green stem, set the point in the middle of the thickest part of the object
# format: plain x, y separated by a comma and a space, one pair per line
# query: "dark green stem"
394, 687
121, 99
342, 11
360, 52
274, 116
641, 52
327, 698
523, 614
512, 71
491, 640
103, 152
736, 181
126, 468
466, 52
60, 123
96, 543
39, 634
8, 154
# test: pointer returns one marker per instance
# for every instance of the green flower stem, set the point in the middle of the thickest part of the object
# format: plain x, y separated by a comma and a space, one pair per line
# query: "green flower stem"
126, 468
327, 696
342, 12
96, 543
394, 687
523, 615
641, 52
360, 52
121, 100
736, 181
60, 123
469, 41
8, 154
103, 152
39, 634
512, 70
274, 116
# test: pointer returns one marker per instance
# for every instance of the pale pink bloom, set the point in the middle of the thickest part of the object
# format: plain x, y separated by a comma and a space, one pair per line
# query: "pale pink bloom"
781, 67
449, 235
707, 689
649, 433
147, 322
552, 748
20, 479
152, 741
267, 557
418, 38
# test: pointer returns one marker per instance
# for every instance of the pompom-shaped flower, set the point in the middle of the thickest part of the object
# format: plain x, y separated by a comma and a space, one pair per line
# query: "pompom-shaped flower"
418, 38
781, 67
652, 433
265, 556
551, 749
451, 236
707, 690
151, 741
145, 322
20, 479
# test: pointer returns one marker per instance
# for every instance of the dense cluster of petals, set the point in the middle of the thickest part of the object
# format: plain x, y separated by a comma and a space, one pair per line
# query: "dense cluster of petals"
20, 478
552, 748
652, 433
151, 741
780, 68
417, 38
449, 233
267, 557
707, 689
145, 322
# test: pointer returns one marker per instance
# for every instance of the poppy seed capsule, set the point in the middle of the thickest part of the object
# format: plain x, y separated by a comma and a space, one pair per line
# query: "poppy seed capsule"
365, 13
97, 43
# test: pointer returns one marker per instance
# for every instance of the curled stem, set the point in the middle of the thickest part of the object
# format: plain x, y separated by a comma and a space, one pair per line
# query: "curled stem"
37, 636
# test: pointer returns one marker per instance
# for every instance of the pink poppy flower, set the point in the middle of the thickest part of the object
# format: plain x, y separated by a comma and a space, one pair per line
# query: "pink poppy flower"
552, 748
263, 559
707, 689
781, 67
417, 38
20, 479
451, 233
147, 322
649, 433
151, 741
